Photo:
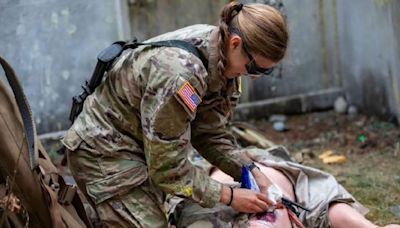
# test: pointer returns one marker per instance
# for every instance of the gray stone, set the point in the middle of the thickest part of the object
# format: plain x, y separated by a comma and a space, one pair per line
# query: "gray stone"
279, 126
352, 110
340, 105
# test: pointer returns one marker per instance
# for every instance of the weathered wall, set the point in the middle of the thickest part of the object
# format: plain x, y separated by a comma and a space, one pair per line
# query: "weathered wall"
334, 43
149, 18
370, 54
308, 65
311, 66
354, 45
53, 47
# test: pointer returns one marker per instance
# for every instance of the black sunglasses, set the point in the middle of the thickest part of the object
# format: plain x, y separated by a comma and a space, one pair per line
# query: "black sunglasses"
252, 67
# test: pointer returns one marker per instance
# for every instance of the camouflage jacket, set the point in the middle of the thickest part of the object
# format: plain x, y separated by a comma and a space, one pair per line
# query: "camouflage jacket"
140, 108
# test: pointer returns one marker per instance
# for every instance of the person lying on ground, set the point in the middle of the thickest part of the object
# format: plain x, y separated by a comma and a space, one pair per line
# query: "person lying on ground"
329, 203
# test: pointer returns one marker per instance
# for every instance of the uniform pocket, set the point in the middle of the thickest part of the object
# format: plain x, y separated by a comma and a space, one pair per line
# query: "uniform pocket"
117, 183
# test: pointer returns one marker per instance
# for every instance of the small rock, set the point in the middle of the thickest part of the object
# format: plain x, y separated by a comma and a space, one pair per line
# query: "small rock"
340, 105
277, 118
352, 110
317, 140
279, 126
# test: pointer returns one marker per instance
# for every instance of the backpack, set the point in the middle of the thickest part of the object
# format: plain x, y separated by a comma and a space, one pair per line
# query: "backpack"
32, 192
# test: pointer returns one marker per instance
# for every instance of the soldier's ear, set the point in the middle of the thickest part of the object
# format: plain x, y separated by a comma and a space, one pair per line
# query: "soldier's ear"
235, 41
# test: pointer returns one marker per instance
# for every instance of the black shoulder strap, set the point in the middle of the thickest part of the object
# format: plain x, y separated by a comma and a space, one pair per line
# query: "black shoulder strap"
107, 57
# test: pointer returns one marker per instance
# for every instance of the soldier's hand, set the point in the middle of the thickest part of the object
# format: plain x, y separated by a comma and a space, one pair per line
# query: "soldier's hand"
246, 201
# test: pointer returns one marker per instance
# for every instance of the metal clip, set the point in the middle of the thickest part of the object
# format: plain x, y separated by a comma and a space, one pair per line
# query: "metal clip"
67, 194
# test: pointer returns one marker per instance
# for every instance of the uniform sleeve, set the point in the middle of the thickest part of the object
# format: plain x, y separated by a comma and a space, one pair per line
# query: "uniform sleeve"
166, 127
212, 139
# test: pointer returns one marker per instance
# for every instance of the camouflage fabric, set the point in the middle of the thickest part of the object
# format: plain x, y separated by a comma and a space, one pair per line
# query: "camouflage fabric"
129, 207
140, 132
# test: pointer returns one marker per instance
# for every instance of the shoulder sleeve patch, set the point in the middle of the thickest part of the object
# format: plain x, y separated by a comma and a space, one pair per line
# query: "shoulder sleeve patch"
189, 96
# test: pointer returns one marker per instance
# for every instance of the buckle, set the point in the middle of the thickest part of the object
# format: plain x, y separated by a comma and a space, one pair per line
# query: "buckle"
67, 194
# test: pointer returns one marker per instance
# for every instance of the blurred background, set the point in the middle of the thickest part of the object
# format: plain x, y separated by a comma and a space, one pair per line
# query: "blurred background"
337, 48
337, 91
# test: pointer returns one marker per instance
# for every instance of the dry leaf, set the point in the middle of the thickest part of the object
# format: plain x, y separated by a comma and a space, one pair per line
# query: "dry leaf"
335, 159
325, 154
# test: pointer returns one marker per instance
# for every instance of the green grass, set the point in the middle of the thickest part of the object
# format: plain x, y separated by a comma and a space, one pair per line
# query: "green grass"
372, 171
373, 179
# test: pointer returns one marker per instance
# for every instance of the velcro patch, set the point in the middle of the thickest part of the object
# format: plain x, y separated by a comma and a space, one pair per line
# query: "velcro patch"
189, 96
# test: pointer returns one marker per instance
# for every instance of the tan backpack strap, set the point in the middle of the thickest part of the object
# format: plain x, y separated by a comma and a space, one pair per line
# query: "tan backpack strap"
68, 196
55, 213
60, 217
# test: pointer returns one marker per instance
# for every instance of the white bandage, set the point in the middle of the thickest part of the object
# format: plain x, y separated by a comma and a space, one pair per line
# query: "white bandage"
274, 193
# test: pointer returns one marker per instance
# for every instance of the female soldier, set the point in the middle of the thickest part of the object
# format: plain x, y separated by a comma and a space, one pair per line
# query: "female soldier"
129, 146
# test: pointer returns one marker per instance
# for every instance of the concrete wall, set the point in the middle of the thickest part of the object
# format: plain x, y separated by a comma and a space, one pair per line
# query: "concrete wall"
307, 66
354, 45
53, 46
149, 18
369, 40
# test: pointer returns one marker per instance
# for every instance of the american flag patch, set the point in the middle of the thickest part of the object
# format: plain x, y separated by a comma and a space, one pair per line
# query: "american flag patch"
189, 96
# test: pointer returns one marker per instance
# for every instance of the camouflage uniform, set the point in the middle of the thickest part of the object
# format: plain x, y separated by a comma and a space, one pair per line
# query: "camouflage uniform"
129, 145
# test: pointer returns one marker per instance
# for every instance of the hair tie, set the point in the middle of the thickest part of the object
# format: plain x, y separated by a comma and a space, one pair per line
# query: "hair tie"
239, 7
230, 201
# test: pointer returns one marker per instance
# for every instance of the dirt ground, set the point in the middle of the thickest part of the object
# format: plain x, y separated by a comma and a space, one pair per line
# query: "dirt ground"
371, 147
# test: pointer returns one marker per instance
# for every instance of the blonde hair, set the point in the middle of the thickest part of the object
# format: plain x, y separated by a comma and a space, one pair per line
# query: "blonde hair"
263, 30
